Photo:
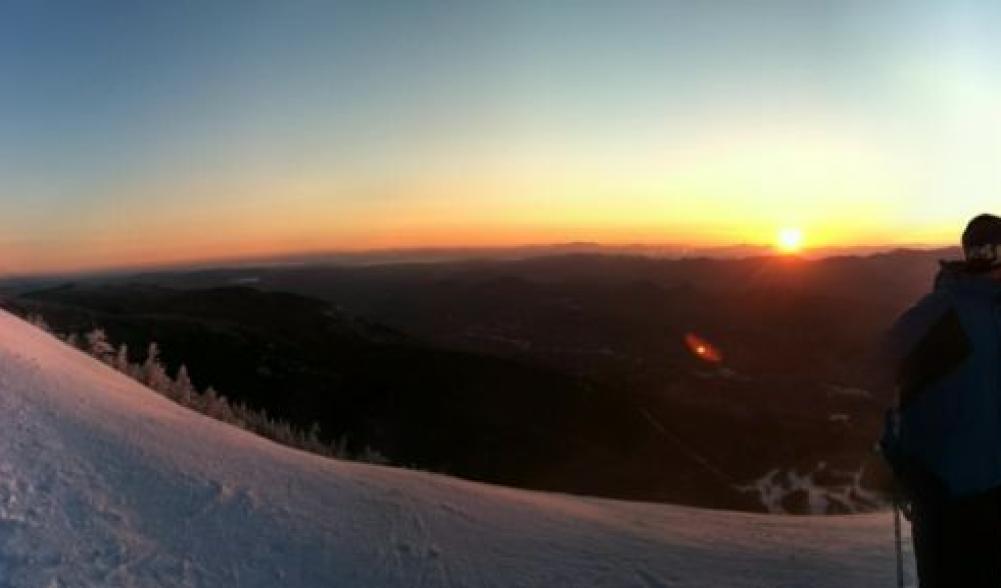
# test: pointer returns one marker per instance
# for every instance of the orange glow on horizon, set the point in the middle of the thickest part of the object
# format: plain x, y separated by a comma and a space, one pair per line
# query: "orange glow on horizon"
316, 217
728, 187
134, 247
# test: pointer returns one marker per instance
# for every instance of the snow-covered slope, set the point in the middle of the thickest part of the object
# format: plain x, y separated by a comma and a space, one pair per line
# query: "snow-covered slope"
104, 483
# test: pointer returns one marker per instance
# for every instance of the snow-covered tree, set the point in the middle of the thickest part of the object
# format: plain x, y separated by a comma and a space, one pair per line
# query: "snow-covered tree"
184, 389
121, 361
153, 373
369, 455
217, 407
39, 321
98, 345
311, 439
73, 340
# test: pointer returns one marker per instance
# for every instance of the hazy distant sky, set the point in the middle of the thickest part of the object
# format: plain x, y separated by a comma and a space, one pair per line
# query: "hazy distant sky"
147, 131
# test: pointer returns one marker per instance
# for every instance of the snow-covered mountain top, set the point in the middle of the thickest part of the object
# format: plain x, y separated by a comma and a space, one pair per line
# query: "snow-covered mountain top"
105, 483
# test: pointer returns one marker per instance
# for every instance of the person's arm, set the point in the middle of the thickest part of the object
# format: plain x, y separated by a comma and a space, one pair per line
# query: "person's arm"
928, 343
922, 345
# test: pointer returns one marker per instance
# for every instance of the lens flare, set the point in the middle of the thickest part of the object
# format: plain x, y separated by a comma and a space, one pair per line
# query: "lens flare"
703, 349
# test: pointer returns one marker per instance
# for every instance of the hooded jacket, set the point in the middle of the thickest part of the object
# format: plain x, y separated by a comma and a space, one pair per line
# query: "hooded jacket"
948, 352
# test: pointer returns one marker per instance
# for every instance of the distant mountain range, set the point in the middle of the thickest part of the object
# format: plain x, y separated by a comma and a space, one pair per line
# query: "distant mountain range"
453, 254
669, 251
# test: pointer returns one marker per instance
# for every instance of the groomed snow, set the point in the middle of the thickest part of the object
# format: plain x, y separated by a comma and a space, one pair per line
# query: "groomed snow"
105, 483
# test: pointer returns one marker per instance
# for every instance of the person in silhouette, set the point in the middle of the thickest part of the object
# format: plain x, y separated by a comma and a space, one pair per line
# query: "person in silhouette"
943, 439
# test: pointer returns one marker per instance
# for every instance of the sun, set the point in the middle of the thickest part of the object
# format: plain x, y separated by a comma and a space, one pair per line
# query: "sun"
790, 240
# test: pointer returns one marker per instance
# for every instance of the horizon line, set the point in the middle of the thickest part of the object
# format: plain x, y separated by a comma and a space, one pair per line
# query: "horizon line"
460, 253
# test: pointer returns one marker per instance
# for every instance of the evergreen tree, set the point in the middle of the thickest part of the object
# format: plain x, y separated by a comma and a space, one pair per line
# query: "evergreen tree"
153, 373
39, 321
98, 346
184, 389
121, 361
217, 407
73, 340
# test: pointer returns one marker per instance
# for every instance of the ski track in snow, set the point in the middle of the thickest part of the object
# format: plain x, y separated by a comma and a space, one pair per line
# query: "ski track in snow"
105, 483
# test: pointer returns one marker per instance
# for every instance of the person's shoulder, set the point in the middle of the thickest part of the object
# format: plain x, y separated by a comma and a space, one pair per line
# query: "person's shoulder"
929, 307
911, 326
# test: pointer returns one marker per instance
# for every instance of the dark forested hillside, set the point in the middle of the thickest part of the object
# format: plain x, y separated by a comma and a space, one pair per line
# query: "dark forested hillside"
468, 414
567, 372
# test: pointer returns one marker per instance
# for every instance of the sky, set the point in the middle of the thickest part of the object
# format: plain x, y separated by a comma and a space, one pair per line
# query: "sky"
143, 132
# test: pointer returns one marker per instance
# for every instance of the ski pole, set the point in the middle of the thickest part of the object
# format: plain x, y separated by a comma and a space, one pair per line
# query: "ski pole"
898, 543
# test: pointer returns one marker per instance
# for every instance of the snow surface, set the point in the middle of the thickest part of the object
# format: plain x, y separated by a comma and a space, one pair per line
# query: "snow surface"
105, 483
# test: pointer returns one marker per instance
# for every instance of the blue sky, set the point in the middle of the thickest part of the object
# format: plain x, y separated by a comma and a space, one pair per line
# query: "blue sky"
158, 131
